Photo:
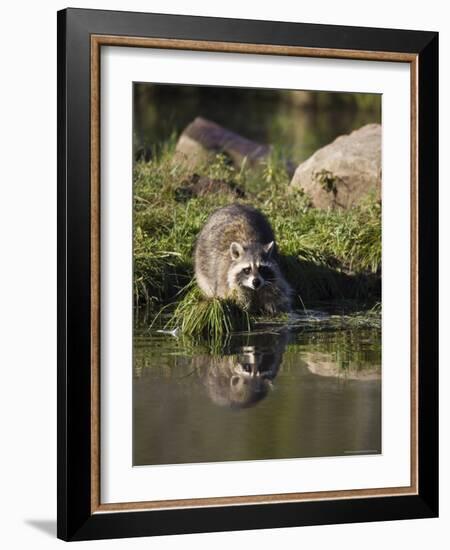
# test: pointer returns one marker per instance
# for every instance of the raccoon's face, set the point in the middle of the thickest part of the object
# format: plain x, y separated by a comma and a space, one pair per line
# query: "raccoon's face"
250, 363
252, 266
249, 381
242, 379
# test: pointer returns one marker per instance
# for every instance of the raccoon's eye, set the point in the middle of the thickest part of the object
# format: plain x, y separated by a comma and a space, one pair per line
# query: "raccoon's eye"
247, 270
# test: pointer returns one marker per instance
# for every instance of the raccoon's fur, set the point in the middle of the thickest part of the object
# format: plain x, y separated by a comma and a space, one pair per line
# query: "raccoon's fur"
236, 257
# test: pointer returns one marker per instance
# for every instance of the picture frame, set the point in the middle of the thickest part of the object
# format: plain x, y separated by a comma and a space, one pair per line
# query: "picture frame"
81, 36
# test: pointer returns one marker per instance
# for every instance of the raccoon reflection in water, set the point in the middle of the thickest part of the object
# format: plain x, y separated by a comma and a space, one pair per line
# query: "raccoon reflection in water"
244, 376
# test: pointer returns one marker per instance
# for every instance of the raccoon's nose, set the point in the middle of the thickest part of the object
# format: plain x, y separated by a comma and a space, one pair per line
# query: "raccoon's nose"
256, 283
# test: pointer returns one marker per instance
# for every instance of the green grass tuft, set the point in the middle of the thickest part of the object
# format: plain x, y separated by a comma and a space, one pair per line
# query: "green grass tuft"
211, 318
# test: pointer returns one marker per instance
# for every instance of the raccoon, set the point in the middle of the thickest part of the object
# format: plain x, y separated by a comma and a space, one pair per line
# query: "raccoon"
236, 257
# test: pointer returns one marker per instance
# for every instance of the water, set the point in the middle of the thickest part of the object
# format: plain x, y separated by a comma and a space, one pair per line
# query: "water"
276, 394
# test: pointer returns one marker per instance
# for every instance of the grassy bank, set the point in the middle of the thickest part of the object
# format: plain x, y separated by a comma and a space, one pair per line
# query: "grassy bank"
326, 255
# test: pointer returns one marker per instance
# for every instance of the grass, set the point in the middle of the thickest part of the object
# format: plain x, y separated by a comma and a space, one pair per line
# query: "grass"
194, 316
212, 319
325, 254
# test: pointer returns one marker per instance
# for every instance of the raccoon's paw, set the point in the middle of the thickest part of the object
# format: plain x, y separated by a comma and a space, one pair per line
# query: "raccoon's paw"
269, 308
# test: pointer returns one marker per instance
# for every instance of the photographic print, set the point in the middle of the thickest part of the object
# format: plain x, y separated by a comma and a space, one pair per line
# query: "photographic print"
247, 303
256, 274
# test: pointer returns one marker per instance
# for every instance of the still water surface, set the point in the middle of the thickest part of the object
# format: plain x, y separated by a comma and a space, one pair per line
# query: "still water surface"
277, 394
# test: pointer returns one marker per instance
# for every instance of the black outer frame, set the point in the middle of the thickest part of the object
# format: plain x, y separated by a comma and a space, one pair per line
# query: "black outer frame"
75, 521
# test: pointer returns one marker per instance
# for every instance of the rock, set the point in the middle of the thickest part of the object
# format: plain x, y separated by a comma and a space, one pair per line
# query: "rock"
342, 173
199, 186
202, 139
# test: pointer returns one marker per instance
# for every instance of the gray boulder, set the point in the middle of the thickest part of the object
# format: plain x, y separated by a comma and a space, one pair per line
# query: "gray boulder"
202, 139
342, 173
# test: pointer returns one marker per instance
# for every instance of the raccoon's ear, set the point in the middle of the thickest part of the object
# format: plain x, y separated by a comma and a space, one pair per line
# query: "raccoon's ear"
268, 248
236, 250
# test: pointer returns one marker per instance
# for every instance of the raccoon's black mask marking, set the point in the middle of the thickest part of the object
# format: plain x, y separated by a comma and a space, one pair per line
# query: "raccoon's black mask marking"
267, 272
254, 275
